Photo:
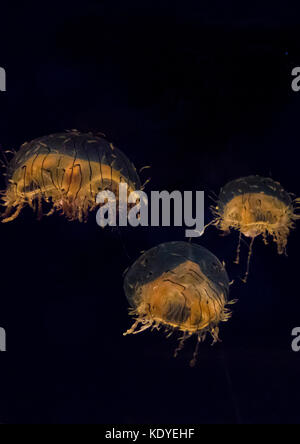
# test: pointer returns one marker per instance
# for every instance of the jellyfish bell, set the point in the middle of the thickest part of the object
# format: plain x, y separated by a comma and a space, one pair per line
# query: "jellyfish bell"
66, 170
256, 206
178, 286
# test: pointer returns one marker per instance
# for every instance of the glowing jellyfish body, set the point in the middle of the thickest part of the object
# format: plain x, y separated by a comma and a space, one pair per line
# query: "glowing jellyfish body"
66, 170
256, 206
178, 286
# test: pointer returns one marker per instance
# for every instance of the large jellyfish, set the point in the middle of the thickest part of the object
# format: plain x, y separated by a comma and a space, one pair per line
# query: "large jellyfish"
178, 286
256, 206
66, 170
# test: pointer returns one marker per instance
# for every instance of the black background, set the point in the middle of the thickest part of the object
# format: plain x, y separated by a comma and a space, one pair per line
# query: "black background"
201, 91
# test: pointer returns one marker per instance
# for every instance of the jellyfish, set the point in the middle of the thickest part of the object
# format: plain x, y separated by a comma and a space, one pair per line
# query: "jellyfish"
256, 206
66, 170
178, 286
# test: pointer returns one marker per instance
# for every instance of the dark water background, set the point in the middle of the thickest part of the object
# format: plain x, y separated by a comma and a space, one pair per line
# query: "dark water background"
203, 95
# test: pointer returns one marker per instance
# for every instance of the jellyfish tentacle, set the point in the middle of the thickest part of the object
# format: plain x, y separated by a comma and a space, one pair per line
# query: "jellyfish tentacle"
237, 260
181, 344
248, 260
196, 352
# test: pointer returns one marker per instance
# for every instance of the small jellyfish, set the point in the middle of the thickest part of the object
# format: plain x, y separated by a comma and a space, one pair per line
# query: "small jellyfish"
66, 170
256, 206
178, 286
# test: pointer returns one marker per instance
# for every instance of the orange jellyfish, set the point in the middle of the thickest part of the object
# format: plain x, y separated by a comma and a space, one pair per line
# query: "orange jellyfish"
178, 286
256, 206
66, 170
